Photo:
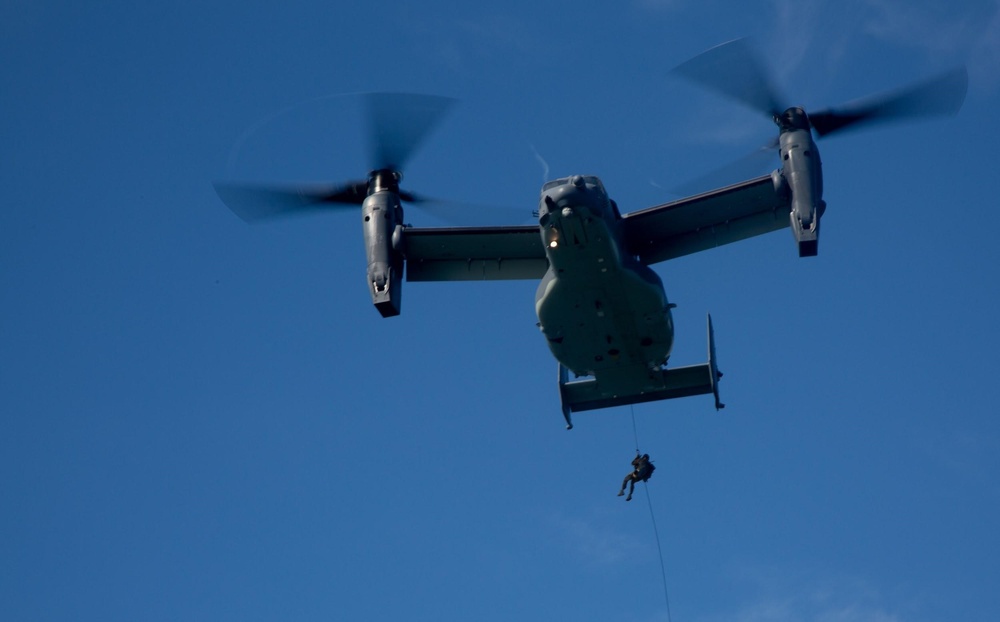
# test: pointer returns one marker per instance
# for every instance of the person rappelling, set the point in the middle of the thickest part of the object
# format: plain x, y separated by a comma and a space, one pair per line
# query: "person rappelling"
642, 470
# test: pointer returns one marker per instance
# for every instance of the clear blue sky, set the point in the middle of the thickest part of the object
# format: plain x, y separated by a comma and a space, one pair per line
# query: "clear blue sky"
205, 420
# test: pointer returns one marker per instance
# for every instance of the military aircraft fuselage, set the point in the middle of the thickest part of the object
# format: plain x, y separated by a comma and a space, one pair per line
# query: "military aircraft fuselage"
603, 313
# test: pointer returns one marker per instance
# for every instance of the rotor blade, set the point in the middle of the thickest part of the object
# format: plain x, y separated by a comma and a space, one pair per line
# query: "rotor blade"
251, 202
398, 123
749, 166
417, 199
942, 95
733, 69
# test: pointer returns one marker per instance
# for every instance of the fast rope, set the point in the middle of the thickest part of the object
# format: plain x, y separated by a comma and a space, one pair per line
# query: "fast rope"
663, 570
652, 517
634, 431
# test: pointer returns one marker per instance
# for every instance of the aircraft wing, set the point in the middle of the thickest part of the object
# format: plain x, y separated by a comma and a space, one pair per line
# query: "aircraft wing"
705, 221
474, 253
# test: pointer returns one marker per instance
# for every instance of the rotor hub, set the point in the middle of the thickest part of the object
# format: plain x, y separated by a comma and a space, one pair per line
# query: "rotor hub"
384, 180
794, 118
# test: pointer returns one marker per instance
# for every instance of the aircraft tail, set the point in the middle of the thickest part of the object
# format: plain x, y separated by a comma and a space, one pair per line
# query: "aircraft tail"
585, 394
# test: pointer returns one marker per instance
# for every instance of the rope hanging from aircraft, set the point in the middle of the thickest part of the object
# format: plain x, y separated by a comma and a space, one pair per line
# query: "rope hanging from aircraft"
652, 517
635, 432
663, 570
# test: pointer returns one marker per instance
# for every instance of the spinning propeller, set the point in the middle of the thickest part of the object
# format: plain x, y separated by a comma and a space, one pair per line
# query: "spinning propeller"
398, 123
733, 69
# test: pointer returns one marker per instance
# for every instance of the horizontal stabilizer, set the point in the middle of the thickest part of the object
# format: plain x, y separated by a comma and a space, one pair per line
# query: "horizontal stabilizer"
586, 394
582, 395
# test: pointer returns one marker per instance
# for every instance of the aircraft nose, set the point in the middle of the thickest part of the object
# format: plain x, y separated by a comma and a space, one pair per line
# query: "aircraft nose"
572, 198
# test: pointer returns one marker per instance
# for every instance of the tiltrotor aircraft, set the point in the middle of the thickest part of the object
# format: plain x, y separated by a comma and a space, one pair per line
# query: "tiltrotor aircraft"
601, 309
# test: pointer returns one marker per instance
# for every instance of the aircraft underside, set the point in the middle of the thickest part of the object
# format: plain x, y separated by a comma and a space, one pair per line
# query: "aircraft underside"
615, 325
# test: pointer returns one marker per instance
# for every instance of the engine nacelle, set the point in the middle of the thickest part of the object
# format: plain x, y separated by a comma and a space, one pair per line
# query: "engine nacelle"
382, 216
802, 171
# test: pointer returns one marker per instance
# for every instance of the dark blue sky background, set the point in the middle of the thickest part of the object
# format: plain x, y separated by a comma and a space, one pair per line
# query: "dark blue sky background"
205, 420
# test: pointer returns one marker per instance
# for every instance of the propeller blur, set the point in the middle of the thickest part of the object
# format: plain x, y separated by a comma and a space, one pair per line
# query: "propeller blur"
602, 310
